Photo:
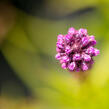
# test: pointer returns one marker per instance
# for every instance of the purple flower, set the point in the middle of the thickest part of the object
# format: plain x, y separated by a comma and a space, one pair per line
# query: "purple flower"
75, 50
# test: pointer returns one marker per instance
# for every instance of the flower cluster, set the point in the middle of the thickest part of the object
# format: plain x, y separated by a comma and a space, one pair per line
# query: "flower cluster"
75, 50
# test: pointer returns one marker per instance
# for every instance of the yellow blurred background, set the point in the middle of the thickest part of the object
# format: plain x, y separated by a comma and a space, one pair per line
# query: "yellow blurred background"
30, 77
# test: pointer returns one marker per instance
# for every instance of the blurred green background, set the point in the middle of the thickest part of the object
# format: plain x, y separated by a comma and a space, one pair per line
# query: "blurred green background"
29, 47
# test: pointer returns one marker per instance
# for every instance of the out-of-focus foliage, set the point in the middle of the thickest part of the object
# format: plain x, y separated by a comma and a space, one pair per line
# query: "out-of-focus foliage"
30, 49
63, 7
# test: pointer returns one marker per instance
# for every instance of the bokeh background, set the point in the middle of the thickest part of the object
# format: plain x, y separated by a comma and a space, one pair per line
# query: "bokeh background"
30, 77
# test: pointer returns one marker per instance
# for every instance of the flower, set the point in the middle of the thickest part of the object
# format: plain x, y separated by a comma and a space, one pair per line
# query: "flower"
75, 50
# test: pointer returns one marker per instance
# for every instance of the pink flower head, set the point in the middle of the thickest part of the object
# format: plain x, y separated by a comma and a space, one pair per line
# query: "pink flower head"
75, 50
